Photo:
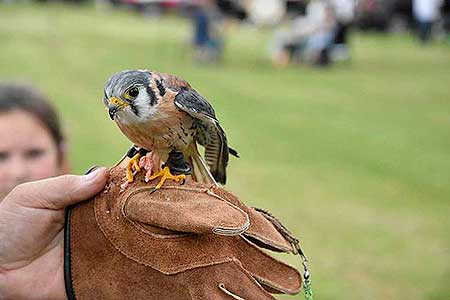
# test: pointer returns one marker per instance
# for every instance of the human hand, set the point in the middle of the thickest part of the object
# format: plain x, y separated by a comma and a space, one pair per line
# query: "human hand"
32, 235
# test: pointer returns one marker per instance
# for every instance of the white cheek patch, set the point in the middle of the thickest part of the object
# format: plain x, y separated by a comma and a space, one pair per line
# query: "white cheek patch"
146, 112
142, 103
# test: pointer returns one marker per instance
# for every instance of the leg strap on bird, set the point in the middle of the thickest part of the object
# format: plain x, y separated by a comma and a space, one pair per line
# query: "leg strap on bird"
135, 154
135, 150
177, 164
175, 168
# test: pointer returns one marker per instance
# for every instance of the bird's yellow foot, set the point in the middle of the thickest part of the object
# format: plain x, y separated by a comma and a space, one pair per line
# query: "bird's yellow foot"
165, 174
133, 163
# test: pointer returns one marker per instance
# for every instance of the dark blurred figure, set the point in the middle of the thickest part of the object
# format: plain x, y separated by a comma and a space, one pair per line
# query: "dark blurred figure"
208, 42
383, 15
344, 11
232, 9
446, 18
374, 14
426, 13
296, 8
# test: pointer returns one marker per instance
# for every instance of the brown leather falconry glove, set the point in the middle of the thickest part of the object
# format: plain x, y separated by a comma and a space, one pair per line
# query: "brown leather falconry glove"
181, 242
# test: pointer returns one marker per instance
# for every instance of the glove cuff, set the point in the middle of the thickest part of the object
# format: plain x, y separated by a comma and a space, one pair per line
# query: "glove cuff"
67, 257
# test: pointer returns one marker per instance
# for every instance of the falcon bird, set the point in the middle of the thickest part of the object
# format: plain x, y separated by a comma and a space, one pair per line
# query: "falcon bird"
164, 115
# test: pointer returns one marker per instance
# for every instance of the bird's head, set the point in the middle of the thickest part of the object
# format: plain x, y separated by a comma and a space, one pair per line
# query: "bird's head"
129, 97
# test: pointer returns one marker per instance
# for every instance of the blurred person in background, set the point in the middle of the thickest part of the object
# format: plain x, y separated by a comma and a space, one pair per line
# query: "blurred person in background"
265, 12
208, 41
308, 38
32, 145
426, 13
446, 18
344, 11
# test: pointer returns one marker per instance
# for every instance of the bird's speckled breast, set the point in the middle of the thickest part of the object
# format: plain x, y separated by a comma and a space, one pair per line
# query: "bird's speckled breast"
169, 128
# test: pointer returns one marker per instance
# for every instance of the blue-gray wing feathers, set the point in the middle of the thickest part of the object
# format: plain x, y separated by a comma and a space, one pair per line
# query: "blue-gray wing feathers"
209, 132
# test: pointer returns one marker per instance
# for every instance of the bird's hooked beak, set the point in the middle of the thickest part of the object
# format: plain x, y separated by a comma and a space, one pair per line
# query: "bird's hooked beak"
115, 105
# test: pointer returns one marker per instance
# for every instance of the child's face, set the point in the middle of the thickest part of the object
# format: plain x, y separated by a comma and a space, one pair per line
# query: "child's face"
27, 151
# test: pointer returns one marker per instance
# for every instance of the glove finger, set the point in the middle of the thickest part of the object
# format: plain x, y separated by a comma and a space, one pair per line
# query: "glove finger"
185, 209
261, 231
275, 275
225, 281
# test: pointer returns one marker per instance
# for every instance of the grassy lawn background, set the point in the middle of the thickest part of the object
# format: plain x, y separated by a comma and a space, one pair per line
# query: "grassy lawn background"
354, 159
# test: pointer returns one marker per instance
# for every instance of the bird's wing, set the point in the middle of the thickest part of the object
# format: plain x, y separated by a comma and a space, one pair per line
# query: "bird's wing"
209, 132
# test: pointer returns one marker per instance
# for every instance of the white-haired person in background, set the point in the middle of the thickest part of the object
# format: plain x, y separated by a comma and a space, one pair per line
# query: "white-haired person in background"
307, 38
426, 13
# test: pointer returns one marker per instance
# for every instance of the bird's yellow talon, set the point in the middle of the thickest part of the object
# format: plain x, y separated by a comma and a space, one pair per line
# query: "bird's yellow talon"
165, 175
130, 177
133, 164
136, 165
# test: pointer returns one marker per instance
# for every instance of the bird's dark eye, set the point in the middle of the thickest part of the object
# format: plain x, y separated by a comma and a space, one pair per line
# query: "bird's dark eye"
133, 92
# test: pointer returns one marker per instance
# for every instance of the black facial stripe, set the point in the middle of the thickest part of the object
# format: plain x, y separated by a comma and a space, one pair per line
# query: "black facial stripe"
134, 109
161, 88
153, 99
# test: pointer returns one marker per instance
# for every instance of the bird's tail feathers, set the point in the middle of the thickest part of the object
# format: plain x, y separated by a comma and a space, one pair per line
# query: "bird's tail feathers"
233, 152
216, 155
200, 171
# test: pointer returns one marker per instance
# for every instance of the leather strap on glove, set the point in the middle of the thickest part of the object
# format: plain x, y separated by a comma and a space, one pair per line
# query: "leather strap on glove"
181, 242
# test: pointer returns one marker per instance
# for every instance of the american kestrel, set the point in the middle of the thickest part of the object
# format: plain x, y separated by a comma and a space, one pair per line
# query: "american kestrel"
164, 115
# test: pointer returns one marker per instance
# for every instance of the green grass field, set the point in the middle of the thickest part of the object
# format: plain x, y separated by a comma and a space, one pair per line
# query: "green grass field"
354, 159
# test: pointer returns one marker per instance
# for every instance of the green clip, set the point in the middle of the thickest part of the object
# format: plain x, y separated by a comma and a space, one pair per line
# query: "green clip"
306, 276
308, 293
307, 282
